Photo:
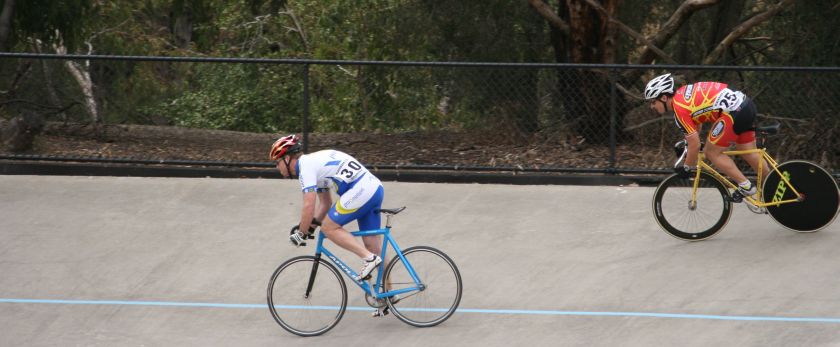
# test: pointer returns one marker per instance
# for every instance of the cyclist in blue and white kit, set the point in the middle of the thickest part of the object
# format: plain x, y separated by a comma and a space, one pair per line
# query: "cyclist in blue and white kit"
360, 197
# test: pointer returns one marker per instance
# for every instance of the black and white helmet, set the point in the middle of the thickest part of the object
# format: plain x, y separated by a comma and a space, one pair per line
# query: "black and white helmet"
657, 86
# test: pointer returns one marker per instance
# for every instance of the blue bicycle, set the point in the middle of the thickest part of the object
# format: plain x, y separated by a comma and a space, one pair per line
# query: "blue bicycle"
420, 285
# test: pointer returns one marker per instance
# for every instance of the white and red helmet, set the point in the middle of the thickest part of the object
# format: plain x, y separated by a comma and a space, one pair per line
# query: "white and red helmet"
284, 145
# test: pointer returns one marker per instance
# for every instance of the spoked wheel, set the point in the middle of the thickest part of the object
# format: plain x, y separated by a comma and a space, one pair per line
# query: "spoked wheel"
441, 282
687, 219
819, 194
298, 313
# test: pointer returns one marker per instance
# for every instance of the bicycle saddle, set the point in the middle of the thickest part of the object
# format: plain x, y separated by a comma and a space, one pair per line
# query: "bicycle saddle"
771, 129
391, 210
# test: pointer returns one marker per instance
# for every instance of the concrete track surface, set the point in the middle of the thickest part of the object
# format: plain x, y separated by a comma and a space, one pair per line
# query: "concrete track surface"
116, 261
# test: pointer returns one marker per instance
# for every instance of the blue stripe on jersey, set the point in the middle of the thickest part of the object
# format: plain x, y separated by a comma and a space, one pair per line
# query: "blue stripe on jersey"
342, 186
334, 162
310, 189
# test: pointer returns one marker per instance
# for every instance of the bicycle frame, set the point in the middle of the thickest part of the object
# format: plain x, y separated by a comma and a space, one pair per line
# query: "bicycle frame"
784, 183
377, 290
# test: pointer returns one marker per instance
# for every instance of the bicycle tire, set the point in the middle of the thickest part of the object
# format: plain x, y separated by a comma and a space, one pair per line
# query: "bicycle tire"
819, 189
300, 315
443, 287
674, 214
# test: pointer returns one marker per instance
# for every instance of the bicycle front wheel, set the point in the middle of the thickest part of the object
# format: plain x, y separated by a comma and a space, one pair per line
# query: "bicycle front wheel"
441, 287
302, 314
687, 219
820, 198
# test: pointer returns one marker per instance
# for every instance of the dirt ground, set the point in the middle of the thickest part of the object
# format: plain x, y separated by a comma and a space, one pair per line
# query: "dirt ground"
419, 148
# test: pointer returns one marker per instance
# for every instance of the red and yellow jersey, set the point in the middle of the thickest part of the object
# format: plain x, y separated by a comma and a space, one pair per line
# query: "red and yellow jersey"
703, 102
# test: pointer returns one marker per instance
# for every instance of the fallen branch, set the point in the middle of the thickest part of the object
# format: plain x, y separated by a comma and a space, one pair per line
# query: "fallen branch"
56, 108
634, 127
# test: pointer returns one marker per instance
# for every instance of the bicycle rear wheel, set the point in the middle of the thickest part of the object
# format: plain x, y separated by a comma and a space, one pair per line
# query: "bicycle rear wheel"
679, 217
310, 315
442, 287
819, 190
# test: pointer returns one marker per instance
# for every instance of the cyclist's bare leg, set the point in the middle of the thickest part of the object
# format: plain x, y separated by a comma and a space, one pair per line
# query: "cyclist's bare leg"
724, 162
754, 158
373, 243
343, 238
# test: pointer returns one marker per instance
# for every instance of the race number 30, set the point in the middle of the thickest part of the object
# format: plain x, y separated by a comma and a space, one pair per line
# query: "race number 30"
350, 169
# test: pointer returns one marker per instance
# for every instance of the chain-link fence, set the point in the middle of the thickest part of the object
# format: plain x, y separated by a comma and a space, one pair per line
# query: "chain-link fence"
467, 115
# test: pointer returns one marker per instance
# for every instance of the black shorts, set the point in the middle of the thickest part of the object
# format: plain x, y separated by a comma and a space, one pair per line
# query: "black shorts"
744, 117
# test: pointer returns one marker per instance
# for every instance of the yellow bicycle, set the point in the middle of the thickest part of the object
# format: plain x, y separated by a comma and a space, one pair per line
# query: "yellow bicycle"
799, 195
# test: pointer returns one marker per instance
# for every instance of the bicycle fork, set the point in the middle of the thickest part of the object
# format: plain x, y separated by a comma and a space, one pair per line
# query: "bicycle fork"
312, 275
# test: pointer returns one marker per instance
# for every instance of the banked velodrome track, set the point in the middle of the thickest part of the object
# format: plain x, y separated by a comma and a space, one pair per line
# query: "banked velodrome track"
118, 261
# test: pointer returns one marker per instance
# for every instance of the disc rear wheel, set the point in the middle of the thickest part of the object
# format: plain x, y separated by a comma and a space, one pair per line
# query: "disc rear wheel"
818, 191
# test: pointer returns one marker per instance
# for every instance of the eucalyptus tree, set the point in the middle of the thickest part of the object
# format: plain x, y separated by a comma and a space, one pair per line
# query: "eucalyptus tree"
590, 31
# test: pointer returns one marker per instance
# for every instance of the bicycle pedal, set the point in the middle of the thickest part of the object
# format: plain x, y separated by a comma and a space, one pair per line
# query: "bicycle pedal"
381, 313
736, 197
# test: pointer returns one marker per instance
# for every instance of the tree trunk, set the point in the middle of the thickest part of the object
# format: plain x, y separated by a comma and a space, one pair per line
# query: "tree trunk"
82, 76
20, 133
684, 54
6, 23
183, 31
727, 17
593, 41
182, 19
608, 41
49, 83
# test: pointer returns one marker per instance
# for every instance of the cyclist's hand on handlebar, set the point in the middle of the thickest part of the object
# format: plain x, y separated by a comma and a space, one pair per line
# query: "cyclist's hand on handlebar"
684, 171
296, 237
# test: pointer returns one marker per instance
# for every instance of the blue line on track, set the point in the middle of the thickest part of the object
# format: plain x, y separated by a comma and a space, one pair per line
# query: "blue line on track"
460, 310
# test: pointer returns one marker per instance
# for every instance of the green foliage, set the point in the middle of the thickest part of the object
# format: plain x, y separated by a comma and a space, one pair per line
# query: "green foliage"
238, 97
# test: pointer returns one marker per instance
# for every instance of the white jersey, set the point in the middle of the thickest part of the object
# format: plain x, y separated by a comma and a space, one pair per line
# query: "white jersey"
320, 170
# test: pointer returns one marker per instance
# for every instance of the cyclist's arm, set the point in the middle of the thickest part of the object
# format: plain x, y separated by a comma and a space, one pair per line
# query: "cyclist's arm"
693, 141
324, 205
308, 210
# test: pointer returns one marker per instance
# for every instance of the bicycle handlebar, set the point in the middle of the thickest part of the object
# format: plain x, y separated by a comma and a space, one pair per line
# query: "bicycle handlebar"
681, 149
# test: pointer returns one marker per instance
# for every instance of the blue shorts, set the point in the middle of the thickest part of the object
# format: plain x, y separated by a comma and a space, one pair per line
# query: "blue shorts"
360, 203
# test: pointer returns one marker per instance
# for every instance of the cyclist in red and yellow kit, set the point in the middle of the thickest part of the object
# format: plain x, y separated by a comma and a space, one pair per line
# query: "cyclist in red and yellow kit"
731, 112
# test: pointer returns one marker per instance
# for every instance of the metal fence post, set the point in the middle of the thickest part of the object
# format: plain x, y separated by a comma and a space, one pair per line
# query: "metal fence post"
611, 75
306, 108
